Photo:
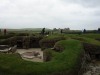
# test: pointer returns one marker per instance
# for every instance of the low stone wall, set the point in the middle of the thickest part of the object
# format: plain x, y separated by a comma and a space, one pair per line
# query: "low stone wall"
93, 50
49, 42
47, 55
84, 63
34, 42
90, 51
22, 41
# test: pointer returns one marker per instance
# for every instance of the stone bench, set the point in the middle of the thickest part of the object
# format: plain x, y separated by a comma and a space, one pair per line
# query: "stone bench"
8, 50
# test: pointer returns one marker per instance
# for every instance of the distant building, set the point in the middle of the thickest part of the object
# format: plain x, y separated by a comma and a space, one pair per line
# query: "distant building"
67, 29
59, 29
54, 29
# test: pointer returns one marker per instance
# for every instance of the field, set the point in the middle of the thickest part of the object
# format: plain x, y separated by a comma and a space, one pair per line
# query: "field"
64, 60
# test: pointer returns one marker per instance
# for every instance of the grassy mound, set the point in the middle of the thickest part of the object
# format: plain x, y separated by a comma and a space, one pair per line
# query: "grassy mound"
94, 36
49, 42
87, 40
62, 63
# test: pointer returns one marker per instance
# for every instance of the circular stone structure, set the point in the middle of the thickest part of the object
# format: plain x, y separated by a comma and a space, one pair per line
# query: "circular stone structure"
31, 55
28, 55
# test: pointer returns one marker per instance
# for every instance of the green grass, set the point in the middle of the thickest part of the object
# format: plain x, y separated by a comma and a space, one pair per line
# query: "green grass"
88, 38
92, 41
27, 30
12, 64
54, 36
93, 36
66, 61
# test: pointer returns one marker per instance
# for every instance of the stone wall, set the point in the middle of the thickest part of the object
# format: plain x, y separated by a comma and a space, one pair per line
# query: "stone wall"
25, 41
92, 50
84, 63
49, 42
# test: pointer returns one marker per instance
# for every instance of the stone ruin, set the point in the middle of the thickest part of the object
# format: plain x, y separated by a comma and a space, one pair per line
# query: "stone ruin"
25, 41
92, 50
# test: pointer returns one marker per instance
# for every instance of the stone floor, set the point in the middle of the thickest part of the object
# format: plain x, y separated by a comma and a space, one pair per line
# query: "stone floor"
94, 69
34, 59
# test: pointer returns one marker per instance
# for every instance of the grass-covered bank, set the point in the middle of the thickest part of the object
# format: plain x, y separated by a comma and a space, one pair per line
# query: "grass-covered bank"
93, 36
65, 62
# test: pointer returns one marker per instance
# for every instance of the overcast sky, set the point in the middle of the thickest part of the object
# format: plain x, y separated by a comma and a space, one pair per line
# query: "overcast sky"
75, 14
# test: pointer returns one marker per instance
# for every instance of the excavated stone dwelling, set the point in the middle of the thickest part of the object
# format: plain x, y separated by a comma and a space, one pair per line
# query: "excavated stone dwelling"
25, 41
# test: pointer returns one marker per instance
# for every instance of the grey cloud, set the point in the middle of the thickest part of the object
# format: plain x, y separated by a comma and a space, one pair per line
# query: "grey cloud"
86, 3
96, 13
76, 14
